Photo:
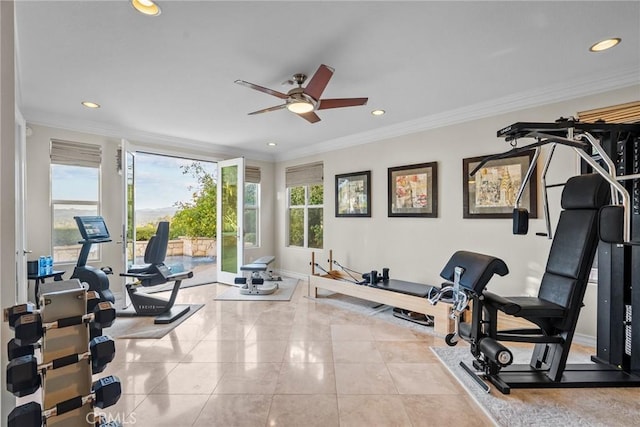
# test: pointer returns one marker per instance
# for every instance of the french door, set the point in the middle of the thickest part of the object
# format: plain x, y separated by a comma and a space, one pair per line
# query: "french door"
230, 208
129, 213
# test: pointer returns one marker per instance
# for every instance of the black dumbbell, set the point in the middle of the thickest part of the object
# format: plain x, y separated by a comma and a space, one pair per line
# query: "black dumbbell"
12, 314
23, 373
93, 299
29, 327
104, 393
14, 350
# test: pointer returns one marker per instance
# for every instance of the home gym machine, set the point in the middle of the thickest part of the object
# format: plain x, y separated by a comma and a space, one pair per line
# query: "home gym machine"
257, 272
93, 231
384, 281
155, 272
587, 222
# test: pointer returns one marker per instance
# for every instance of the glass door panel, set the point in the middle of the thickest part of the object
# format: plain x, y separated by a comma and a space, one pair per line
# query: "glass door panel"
230, 219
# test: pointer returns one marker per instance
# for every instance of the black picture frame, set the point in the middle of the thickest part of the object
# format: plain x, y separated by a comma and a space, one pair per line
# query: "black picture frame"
412, 191
353, 194
492, 191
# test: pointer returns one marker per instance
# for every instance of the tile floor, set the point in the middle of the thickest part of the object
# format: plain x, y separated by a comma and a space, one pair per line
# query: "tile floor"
304, 363
296, 363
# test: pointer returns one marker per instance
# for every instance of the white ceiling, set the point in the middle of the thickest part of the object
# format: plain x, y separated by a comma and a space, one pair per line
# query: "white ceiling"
171, 77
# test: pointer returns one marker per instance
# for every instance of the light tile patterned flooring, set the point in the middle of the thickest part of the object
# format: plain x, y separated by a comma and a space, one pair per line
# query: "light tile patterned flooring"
297, 363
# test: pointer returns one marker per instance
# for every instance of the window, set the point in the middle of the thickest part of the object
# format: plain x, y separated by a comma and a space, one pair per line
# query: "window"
305, 198
75, 191
251, 215
252, 176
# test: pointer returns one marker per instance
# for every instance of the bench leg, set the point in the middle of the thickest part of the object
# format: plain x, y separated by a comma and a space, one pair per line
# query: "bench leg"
312, 291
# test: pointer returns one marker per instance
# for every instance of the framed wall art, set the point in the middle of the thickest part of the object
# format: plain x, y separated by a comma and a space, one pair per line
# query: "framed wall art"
353, 194
492, 191
413, 190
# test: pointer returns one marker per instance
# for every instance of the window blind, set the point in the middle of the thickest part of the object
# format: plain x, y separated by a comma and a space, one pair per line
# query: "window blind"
75, 153
252, 174
622, 113
310, 173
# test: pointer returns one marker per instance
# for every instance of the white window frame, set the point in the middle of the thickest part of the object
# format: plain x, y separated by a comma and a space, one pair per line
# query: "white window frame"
56, 202
257, 209
305, 207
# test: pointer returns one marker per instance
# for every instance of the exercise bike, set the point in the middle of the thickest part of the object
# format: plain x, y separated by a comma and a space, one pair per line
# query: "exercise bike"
155, 272
93, 231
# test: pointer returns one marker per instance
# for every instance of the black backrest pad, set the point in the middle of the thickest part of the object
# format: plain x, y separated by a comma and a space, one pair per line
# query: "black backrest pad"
575, 242
148, 252
478, 269
157, 248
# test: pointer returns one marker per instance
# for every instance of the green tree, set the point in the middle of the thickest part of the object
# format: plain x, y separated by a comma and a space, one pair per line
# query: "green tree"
197, 218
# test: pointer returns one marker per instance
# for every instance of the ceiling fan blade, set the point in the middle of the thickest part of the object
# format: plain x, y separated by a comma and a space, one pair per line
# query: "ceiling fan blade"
311, 117
266, 110
262, 89
341, 102
319, 81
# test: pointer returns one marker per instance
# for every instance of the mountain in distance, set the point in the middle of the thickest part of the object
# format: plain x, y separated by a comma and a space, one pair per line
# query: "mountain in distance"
153, 215
64, 217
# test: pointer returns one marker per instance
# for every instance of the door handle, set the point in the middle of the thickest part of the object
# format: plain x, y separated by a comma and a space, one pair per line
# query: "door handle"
26, 251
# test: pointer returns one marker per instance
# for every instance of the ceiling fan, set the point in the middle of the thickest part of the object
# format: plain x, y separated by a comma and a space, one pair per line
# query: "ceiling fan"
305, 101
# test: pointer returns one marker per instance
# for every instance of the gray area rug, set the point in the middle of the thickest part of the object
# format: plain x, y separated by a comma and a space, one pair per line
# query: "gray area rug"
143, 327
285, 290
529, 407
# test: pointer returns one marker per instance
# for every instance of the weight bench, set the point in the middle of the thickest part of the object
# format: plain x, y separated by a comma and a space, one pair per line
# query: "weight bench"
254, 283
554, 311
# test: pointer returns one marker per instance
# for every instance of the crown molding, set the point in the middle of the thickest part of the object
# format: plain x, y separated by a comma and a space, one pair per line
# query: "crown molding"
218, 151
552, 94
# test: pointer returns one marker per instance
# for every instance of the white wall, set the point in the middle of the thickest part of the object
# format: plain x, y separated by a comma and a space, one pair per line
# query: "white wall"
416, 249
8, 290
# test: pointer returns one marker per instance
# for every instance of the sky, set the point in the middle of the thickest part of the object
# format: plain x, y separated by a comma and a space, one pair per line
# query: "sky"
160, 182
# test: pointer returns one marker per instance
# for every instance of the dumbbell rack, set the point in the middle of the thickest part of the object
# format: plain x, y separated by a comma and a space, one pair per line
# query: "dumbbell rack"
67, 299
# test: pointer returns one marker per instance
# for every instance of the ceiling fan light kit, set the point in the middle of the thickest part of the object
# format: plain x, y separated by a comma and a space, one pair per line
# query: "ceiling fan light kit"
304, 101
300, 107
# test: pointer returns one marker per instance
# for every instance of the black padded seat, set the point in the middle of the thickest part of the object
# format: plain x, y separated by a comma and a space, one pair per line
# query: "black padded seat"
562, 288
156, 250
154, 256
526, 306
402, 287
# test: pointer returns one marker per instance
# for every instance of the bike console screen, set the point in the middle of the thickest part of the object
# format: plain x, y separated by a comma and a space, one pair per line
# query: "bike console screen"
92, 227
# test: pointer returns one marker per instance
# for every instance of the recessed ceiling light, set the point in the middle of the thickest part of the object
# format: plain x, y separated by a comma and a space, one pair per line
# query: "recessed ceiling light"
272, 144
90, 104
378, 112
605, 44
146, 7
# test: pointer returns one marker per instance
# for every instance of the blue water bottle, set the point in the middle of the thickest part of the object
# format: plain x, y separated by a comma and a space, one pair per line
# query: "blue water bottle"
49, 264
42, 266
